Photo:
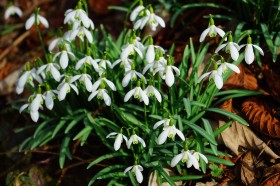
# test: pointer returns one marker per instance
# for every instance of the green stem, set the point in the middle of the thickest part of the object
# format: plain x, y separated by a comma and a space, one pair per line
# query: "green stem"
40, 38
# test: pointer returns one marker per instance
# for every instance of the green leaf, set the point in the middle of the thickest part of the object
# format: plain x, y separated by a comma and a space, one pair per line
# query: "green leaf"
185, 178
222, 128
58, 127
119, 8
209, 129
219, 160
187, 104
215, 170
41, 126
83, 132
228, 114
165, 176
64, 151
73, 123
267, 37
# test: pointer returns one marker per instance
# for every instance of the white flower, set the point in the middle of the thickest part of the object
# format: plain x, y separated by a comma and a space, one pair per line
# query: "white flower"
151, 55
151, 90
140, 23
51, 68
138, 44
65, 87
34, 114
104, 80
49, 99
37, 102
230, 47
129, 49
151, 18
138, 93
157, 64
103, 65
27, 76
12, 10
213, 75
119, 139
87, 59
165, 123
249, 51
135, 12
131, 75
169, 131
185, 157
224, 66
64, 58
56, 42
166, 72
86, 80
212, 31
40, 19
136, 170
77, 14
81, 32
197, 155
101, 94
134, 139
124, 63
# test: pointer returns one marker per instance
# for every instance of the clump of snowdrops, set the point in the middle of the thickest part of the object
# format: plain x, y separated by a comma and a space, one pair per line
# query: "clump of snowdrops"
148, 111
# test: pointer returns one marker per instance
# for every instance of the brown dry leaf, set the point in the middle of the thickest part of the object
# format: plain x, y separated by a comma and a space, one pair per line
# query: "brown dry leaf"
239, 135
248, 169
272, 77
273, 180
244, 80
212, 183
262, 116
8, 83
154, 182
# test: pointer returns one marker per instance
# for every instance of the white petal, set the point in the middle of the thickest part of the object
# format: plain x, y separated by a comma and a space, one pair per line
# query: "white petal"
34, 115
169, 77
139, 176
135, 12
141, 141
144, 97
43, 21
180, 134
204, 34
63, 61
162, 137
177, 71
118, 142
259, 49
75, 78
220, 47
85, 20
128, 169
233, 51
203, 157
157, 94
74, 88
233, 67
106, 99
194, 161
128, 95
220, 31
92, 95
88, 35
19, 90
23, 79
157, 124
74, 34
34, 106
53, 44
55, 73
137, 24
176, 159
111, 134
30, 22
96, 85
88, 84
218, 81
49, 101
62, 92
139, 52
126, 79
160, 21
129, 142
23, 107
111, 85
249, 54
203, 76
80, 63
150, 55
41, 69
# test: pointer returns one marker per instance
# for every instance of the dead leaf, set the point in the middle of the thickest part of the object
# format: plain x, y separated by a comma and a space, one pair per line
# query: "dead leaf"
8, 83
273, 180
154, 182
272, 77
262, 116
212, 183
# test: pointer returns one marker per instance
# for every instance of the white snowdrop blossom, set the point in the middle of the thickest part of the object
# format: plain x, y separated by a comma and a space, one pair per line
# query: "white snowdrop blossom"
151, 54
49, 98
104, 80
12, 10
249, 51
118, 140
88, 60
131, 75
230, 47
214, 74
130, 49
86, 80
140, 23
136, 170
224, 66
136, 42
40, 19
134, 139
211, 31
65, 87
64, 57
27, 77
165, 123
34, 114
138, 93
51, 68
124, 63
101, 93
159, 63
197, 155
37, 101
186, 157
152, 91
56, 42
102, 64
169, 131
81, 32
135, 12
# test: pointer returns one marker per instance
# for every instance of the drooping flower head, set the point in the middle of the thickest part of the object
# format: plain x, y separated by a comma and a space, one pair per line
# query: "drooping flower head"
118, 140
211, 31
12, 10
230, 47
37, 19
214, 74
136, 170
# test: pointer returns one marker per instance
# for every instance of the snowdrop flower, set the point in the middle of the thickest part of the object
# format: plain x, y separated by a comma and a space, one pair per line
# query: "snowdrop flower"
36, 17
151, 90
230, 47
57, 42
159, 63
51, 68
169, 131
197, 155
65, 87
186, 157
167, 72
124, 63
131, 75
12, 10
140, 23
165, 123
104, 80
64, 57
134, 139
81, 32
34, 114
224, 66
88, 60
211, 31
249, 51
138, 93
77, 14
130, 49
102, 66
27, 77
85, 79
135, 12
49, 97
119, 139
214, 74
155, 20
150, 54
101, 93
136, 42
136, 170
37, 101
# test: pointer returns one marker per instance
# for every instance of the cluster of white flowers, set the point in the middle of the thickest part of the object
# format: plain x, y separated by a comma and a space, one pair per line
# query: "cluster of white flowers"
220, 66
